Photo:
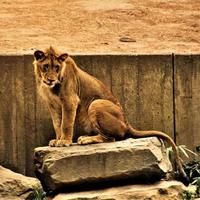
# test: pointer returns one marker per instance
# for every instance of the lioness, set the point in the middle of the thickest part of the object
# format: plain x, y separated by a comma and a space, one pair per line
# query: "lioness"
82, 108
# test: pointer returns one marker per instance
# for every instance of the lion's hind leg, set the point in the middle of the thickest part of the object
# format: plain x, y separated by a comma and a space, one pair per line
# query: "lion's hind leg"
107, 122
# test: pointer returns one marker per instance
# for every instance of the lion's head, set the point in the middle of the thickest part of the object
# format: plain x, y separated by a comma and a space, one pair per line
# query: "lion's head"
48, 66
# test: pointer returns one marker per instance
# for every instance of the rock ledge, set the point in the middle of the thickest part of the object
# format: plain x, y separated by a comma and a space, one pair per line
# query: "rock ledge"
165, 190
131, 159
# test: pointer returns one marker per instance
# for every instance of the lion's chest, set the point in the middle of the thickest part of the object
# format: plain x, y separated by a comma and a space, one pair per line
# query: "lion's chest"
52, 99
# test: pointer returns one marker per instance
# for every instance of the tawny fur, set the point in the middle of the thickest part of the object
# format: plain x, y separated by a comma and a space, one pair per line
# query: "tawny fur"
82, 108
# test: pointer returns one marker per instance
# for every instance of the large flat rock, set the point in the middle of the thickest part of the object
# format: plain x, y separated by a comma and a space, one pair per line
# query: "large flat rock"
140, 159
17, 186
165, 190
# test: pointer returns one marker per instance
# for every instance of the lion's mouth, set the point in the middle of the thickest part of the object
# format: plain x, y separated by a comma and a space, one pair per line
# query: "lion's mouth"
51, 84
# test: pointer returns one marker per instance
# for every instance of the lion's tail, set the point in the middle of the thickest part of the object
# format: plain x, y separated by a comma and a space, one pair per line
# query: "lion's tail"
140, 134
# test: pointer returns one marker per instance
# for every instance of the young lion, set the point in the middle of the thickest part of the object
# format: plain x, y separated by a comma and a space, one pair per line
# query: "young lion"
82, 108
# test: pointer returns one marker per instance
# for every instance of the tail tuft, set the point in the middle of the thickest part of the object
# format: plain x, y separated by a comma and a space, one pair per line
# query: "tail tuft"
184, 179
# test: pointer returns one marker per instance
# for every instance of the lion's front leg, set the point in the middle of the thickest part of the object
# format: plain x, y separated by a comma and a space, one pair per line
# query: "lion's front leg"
67, 124
56, 116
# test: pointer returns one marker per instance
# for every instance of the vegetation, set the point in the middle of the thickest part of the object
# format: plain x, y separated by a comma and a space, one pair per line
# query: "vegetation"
183, 149
188, 195
39, 195
192, 169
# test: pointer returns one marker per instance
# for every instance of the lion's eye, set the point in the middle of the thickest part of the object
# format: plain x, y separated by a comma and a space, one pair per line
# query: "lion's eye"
45, 67
57, 67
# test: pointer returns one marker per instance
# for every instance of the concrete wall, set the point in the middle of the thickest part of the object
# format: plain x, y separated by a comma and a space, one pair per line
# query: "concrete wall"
187, 99
157, 92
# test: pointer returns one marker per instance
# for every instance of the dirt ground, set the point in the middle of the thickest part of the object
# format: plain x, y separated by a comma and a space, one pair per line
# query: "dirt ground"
100, 26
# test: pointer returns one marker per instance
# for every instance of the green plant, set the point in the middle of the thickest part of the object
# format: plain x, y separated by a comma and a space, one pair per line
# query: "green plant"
193, 171
197, 183
183, 149
39, 195
191, 168
187, 195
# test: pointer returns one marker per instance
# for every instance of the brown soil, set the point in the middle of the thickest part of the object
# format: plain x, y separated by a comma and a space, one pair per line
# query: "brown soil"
100, 26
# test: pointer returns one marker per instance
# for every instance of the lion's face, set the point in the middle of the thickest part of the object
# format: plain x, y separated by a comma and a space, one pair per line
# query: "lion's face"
49, 71
49, 66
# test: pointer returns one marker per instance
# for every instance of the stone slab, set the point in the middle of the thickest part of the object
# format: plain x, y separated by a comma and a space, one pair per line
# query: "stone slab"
134, 159
165, 190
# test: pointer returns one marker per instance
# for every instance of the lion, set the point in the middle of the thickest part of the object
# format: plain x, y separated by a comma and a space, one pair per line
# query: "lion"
82, 108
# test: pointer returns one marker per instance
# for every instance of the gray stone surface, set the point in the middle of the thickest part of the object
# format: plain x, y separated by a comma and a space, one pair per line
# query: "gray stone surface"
67, 166
165, 190
17, 186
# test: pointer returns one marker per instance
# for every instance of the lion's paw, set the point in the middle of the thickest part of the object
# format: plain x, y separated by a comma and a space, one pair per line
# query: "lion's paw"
62, 143
52, 143
84, 140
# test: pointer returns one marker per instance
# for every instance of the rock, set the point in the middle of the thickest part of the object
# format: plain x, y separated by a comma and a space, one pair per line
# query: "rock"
127, 39
17, 186
131, 159
165, 190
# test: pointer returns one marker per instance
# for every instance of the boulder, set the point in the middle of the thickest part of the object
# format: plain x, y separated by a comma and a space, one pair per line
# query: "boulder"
165, 190
135, 160
17, 186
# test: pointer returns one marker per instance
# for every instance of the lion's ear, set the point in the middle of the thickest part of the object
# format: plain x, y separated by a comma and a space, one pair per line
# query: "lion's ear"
63, 57
39, 55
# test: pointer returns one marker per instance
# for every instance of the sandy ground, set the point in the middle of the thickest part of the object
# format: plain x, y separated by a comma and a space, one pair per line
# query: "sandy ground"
98, 26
